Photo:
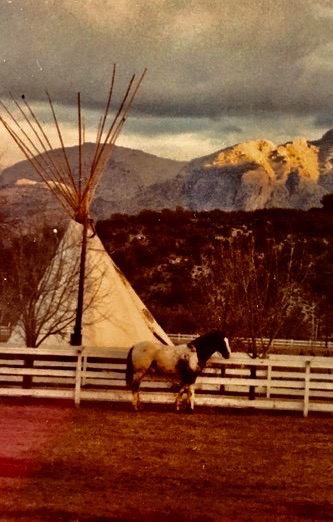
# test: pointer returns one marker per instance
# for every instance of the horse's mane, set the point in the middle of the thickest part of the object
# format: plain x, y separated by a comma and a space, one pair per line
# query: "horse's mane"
208, 338
205, 344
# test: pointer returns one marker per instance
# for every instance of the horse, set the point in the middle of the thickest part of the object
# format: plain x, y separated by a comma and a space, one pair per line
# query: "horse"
184, 362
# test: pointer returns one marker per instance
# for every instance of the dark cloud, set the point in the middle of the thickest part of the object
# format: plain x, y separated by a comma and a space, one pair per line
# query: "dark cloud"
324, 120
206, 60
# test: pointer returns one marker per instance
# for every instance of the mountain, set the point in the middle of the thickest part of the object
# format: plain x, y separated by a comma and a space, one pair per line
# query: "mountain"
253, 175
24, 197
247, 176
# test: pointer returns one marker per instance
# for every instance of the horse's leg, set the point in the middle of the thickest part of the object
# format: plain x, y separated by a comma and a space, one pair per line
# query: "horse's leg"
134, 383
190, 397
135, 386
136, 401
179, 398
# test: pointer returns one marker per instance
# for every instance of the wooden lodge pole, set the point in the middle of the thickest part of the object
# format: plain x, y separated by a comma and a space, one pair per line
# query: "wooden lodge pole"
76, 336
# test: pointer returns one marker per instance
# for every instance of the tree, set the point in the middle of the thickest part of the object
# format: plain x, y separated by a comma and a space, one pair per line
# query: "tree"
43, 274
322, 296
255, 288
273, 283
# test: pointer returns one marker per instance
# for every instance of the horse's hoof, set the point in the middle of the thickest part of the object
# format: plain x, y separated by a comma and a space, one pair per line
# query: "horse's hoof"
189, 409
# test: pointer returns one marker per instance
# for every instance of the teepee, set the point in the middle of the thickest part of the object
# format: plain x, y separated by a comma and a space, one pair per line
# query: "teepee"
107, 311
112, 315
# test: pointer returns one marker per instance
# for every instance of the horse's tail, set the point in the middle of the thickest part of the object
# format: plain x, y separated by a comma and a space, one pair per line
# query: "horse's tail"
129, 368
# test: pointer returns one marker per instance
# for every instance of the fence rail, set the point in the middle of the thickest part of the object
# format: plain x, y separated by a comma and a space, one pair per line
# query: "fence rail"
282, 382
291, 346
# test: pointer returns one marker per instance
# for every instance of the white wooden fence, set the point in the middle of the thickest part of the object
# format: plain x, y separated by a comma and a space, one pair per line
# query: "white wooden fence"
290, 346
281, 382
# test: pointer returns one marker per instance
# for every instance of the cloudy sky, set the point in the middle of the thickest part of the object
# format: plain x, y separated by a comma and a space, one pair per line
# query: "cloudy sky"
219, 71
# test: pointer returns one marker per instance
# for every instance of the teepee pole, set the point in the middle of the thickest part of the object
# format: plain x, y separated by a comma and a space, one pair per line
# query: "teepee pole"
76, 336
74, 192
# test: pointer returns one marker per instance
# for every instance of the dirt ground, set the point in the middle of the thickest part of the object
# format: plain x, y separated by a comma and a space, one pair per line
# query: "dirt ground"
106, 463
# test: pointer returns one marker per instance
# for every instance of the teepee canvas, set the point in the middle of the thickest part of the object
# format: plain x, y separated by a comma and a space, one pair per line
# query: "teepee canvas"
105, 311
113, 314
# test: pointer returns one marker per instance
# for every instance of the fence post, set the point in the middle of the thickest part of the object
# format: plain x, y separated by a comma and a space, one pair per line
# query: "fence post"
85, 365
252, 388
307, 388
269, 378
77, 395
27, 379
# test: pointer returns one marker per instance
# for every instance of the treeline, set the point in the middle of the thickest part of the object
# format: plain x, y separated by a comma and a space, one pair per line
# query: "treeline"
262, 274
266, 273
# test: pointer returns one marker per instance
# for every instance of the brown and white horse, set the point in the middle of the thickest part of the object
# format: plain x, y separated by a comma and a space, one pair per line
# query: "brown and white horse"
182, 362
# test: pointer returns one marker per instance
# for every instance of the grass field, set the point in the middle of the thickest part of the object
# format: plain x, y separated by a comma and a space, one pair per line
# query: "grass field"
101, 463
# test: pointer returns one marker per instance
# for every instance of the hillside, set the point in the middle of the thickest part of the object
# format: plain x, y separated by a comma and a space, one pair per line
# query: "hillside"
187, 267
267, 272
248, 176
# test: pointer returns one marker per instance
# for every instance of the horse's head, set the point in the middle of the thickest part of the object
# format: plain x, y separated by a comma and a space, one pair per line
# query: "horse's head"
220, 340
209, 343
